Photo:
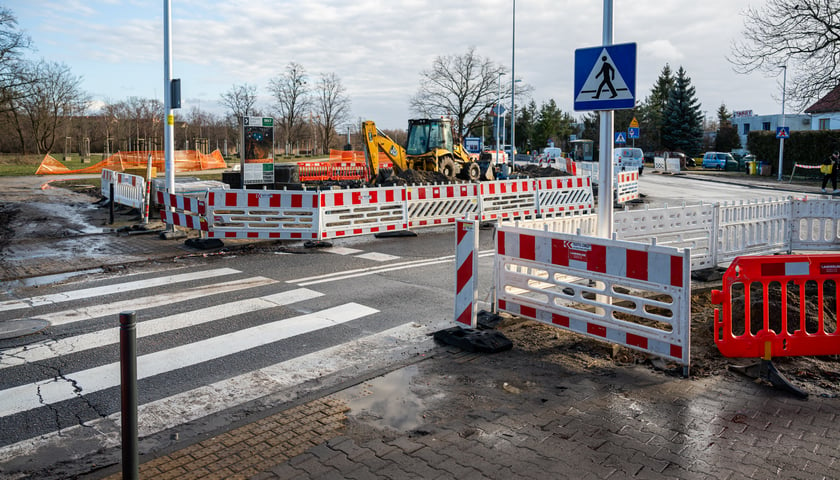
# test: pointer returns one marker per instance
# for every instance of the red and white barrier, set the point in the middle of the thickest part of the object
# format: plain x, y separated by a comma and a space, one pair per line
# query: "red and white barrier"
626, 186
182, 211
430, 205
466, 272
129, 190
564, 196
640, 297
507, 199
362, 211
263, 214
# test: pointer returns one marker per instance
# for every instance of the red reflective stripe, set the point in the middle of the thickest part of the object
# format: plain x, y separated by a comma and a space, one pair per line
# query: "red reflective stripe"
559, 252
466, 316
676, 271
297, 201
464, 274
597, 259
561, 320
773, 269
230, 200
527, 247
501, 241
637, 341
596, 330
528, 311
637, 264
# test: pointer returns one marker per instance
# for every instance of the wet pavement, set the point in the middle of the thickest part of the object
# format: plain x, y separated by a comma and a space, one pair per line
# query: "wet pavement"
532, 412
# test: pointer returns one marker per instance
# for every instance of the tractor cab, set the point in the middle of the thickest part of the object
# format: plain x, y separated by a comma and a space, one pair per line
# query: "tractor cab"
425, 135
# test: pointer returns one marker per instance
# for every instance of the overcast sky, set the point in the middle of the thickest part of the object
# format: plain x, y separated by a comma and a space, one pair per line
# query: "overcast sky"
379, 47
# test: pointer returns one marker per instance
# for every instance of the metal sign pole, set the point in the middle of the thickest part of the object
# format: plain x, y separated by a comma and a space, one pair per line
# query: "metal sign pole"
605, 179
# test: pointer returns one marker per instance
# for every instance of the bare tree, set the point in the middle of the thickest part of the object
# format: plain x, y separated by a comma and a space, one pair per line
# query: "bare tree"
239, 101
13, 78
292, 101
803, 35
332, 107
51, 100
463, 86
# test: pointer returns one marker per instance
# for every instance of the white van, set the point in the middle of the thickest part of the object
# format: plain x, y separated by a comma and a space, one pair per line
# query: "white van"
627, 159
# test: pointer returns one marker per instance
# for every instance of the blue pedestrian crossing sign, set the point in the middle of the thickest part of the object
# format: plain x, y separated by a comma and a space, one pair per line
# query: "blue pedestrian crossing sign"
620, 138
605, 77
782, 132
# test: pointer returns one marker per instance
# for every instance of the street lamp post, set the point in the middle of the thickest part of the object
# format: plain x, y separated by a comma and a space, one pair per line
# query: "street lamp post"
782, 140
513, 88
498, 114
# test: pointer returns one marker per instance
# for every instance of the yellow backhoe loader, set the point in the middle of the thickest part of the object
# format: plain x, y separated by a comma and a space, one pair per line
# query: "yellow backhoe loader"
430, 147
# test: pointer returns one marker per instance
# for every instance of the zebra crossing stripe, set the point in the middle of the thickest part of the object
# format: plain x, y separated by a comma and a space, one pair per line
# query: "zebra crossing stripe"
90, 312
276, 380
27, 397
113, 289
79, 343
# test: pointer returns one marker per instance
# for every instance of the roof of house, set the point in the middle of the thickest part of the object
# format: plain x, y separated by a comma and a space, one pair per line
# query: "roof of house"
829, 103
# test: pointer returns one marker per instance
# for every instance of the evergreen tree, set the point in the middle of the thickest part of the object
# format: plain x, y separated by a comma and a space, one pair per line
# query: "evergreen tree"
727, 138
552, 124
652, 110
682, 126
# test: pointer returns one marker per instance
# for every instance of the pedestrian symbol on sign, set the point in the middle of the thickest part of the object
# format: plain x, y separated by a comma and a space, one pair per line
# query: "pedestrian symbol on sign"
620, 138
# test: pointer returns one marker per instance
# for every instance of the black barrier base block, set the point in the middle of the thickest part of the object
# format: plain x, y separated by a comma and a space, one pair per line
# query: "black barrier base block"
204, 243
487, 320
400, 233
765, 370
471, 340
317, 244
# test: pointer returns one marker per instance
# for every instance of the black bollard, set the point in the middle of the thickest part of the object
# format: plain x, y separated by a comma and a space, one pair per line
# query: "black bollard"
111, 205
128, 390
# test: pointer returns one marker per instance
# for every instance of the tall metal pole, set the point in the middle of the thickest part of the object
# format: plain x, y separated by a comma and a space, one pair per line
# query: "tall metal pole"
169, 123
498, 114
782, 140
128, 396
605, 178
513, 88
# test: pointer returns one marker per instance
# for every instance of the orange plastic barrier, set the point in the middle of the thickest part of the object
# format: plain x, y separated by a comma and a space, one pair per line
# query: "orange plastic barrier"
779, 305
184, 161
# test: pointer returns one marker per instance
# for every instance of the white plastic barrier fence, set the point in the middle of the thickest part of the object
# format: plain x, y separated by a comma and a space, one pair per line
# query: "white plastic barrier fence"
586, 224
662, 164
564, 196
752, 228
362, 211
815, 225
466, 271
440, 204
627, 293
263, 214
626, 186
183, 211
129, 190
691, 226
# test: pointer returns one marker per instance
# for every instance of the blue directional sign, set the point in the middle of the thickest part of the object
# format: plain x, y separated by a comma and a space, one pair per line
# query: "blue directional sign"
620, 138
782, 132
633, 132
605, 77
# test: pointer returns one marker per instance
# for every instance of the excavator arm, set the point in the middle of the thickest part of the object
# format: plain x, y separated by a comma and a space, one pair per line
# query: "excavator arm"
374, 142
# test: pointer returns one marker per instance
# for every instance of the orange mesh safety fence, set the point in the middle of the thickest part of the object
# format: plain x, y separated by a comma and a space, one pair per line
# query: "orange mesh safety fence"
778, 305
184, 161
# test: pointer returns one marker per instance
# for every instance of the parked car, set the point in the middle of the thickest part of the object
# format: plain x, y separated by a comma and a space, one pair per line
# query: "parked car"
718, 160
627, 159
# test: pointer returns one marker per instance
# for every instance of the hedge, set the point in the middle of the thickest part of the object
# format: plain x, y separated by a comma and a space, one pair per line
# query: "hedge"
807, 147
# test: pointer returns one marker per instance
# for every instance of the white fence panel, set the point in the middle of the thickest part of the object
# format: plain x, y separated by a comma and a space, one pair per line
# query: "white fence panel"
680, 227
129, 190
815, 225
752, 228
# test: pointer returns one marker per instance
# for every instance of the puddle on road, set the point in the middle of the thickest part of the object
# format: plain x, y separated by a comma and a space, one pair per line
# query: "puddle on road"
386, 401
46, 279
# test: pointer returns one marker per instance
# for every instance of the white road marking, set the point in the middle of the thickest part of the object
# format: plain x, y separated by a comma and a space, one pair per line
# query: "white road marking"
79, 343
71, 385
377, 257
338, 363
139, 304
112, 289
361, 272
